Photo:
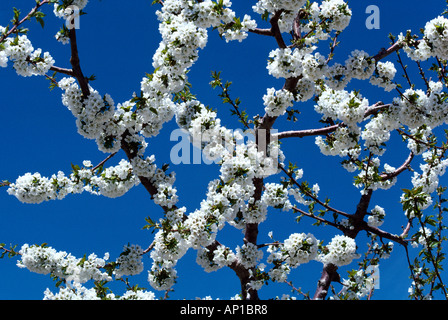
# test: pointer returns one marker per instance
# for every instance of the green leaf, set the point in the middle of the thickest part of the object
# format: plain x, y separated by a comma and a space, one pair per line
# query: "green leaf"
15, 20
153, 110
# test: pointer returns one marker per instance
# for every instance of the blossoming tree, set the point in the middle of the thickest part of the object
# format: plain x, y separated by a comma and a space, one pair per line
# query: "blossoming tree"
256, 178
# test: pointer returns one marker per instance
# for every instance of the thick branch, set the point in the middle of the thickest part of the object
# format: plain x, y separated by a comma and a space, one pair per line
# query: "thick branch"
385, 52
403, 167
74, 60
263, 32
275, 29
326, 130
68, 72
357, 219
306, 133
329, 274
149, 186
386, 235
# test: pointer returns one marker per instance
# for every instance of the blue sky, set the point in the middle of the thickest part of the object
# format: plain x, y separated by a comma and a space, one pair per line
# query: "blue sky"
116, 44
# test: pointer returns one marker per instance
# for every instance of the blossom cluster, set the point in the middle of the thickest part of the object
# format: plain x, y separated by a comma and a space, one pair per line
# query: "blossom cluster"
340, 251
79, 292
358, 285
77, 271
231, 198
27, 61
130, 261
433, 44
112, 182
432, 168
276, 196
301, 248
384, 73
376, 217
222, 256
349, 107
289, 10
183, 30
328, 16
422, 237
377, 131
46, 260
416, 108
248, 255
277, 101
226, 197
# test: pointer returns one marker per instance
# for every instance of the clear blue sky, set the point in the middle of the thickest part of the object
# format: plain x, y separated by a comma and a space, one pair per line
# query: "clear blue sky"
116, 43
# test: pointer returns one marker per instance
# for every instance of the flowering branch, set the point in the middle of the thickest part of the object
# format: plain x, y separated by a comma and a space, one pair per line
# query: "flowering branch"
241, 196
309, 194
74, 60
104, 161
326, 130
384, 234
68, 72
403, 167
27, 17
383, 53
263, 32
311, 215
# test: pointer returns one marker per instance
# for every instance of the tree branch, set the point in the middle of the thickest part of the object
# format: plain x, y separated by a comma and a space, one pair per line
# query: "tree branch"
383, 234
385, 52
403, 167
308, 214
68, 72
275, 29
326, 206
329, 274
263, 32
306, 133
326, 130
74, 60
103, 162
27, 17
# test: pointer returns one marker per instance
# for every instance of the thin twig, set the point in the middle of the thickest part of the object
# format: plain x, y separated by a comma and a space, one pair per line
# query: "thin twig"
103, 162
400, 61
27, 17
403, 167
326, 206
311, 215
326, 130
68, 72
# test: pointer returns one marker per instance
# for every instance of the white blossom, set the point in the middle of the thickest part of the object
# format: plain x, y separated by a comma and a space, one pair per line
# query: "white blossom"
130, 261
340, 251
248, 255
385, 72
376, 217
